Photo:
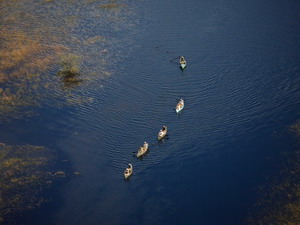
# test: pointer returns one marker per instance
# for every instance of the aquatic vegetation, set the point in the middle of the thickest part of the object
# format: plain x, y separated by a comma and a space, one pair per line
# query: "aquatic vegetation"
280, 201
70, 69
94, 40
296, 128
23, 64
45, 49
40, 39
21, 55
24, 171
111, 6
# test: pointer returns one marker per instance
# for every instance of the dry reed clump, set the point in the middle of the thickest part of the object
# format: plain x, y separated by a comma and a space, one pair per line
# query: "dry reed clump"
70, 69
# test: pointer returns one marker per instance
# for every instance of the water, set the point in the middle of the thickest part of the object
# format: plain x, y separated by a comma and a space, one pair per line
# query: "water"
241, 88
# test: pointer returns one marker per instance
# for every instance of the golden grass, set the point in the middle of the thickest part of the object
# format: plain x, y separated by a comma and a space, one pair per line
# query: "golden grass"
111, 6
23, 172
11, 162
94, 40
22, 62
24, 55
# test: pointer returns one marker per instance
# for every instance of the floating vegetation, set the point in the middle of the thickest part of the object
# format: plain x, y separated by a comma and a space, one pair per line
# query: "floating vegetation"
23, 64
111, 6
280, 201
36, 38
21, 56
296, 128
71, 100
34, 48
94, 40
24, 174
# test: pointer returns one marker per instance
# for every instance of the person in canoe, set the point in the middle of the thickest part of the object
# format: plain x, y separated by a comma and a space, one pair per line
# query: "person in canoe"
128, 171
142, 150
182, 62
179, 106
162, 133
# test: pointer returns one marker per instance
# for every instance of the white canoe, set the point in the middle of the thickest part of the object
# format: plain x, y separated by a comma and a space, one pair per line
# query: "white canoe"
128, 171
162, 133
179, 106
142, 150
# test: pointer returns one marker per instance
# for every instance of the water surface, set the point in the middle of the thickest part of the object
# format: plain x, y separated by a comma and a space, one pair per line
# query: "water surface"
241, 89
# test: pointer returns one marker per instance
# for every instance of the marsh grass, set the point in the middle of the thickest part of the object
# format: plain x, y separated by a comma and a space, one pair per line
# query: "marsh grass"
94, 40
111, 6
24, 171
279, 203
296, 128
23, 65
33, 49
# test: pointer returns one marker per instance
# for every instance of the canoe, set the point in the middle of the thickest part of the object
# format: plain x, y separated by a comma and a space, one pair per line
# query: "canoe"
162, 133
182, 65
179, 106
142, 150
182, 62
128, 171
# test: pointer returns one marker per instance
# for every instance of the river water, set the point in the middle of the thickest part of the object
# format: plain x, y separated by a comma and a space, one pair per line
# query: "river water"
241, 92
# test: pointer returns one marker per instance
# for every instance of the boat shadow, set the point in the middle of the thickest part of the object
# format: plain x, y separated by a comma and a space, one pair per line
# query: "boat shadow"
163, 141
127, 180
179, 113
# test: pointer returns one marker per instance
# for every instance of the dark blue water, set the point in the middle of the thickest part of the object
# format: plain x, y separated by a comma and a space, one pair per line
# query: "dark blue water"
241, 88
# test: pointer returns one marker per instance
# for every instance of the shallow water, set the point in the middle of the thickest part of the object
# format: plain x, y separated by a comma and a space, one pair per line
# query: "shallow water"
241, 89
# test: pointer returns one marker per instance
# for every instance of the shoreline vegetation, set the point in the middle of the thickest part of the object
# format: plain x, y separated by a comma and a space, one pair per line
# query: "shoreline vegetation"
280, 197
